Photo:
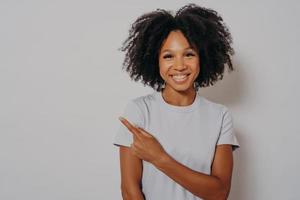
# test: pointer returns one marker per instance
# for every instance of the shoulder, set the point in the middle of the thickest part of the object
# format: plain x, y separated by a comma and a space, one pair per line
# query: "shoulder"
216, 112
140, 107
144, 100
136, 109
142, 103
212, 106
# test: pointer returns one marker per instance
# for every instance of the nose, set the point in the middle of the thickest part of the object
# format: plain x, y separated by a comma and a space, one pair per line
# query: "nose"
179, 64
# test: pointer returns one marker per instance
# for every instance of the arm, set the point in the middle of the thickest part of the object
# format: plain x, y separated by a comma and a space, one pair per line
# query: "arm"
210, 187
131, 173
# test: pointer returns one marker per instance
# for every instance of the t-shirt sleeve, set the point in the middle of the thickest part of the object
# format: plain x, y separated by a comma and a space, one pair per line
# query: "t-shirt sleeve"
133, 114
227, 135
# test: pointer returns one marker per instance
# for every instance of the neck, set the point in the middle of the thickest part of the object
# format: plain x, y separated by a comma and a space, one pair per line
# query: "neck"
179, 98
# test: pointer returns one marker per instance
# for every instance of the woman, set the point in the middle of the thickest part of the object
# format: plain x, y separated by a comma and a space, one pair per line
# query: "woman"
174, 143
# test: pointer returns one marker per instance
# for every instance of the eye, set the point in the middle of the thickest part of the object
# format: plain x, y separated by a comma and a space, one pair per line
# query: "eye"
190, 54
167, 56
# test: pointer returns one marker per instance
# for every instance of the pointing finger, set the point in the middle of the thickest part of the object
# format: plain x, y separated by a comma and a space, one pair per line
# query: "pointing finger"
130, 127
145, 133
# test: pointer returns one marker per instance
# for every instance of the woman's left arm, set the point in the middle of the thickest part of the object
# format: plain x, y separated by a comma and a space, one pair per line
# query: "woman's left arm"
210, 187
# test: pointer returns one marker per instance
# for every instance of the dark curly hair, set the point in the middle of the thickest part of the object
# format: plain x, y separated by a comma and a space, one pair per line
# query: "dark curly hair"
203, 28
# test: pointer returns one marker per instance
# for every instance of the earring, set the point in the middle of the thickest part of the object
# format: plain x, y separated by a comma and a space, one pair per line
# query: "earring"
164, 85
196, 86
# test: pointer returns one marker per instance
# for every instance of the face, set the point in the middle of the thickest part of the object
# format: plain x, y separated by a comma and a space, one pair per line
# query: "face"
178, 63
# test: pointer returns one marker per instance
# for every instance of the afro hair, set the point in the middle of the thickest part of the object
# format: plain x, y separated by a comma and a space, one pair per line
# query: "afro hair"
203, 28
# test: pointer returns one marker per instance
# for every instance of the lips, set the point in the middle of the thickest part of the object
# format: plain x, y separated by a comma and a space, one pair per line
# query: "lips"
179, 78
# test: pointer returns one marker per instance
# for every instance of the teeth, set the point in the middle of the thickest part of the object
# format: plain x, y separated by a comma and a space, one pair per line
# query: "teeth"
179, 77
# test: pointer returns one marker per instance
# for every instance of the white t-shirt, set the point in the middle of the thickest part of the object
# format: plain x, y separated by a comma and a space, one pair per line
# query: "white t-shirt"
187, 133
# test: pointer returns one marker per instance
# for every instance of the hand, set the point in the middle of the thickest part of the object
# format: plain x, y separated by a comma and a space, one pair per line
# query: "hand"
145, 146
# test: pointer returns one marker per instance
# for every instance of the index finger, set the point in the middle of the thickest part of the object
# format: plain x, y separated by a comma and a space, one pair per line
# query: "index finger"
130, 127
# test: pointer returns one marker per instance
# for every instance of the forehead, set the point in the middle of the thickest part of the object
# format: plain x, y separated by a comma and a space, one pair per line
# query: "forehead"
176, 41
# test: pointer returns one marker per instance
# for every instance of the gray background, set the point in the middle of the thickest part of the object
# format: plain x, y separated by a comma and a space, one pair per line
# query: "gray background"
62, 90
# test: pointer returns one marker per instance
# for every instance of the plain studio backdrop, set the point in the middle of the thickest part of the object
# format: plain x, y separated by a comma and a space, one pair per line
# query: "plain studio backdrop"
62, 90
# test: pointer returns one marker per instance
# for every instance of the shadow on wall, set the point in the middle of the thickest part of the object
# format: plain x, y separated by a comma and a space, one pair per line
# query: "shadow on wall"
241, 170
230, 92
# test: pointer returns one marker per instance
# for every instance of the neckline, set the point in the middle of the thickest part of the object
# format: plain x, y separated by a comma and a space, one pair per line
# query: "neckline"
188, 108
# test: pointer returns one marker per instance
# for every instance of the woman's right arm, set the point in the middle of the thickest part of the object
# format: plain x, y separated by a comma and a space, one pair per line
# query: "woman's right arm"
131, 175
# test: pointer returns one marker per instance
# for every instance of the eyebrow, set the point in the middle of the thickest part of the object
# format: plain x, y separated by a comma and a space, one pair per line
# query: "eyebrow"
183, 49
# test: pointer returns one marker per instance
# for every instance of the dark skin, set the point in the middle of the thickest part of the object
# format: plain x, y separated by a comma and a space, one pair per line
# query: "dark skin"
179, 66
211, 187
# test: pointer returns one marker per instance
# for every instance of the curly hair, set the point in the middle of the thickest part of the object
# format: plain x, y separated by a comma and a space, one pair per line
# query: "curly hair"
203, 28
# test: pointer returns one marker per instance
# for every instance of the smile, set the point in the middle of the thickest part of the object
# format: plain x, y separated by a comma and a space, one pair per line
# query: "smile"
180, 78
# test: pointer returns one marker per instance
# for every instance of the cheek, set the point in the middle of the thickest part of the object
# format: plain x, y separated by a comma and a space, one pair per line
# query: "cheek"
163, 69
196, 65
196, 68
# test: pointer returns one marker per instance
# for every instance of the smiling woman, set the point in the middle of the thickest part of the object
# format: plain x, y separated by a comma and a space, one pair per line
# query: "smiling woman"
178, 65
174, 143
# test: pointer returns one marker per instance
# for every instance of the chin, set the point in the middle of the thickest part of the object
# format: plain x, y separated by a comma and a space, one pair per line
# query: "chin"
181, 88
